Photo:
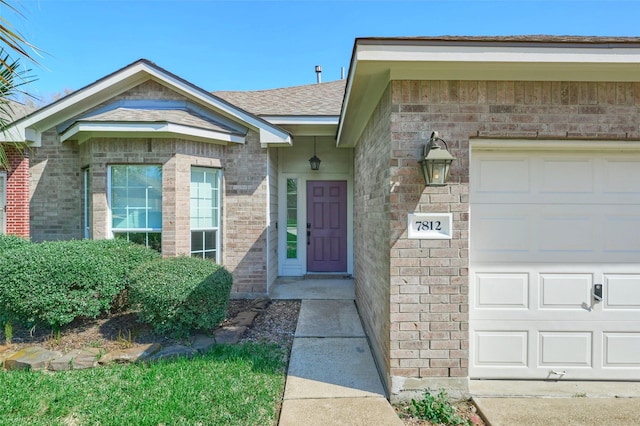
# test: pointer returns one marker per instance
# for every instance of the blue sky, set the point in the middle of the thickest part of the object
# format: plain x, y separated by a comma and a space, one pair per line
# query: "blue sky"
251, 45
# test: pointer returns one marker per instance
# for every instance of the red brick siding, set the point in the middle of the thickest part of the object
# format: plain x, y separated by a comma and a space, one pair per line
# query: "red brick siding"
17, 213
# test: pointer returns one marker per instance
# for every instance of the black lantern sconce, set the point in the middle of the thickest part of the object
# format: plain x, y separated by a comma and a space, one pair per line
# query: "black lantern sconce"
314, 161
436, 161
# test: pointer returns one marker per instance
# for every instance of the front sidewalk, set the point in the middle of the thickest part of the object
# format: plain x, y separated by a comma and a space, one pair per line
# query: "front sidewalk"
332, 378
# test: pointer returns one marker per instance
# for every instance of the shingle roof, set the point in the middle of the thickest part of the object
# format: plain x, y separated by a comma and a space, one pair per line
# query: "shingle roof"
176, 116
15, 110
312, 99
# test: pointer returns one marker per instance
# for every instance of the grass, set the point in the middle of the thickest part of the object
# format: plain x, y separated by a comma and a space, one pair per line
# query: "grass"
230, 385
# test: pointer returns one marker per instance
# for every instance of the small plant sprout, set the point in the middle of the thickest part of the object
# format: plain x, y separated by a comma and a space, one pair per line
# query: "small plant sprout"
437, 409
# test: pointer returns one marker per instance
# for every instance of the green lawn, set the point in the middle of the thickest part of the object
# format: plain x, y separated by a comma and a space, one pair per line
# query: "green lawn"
231, 385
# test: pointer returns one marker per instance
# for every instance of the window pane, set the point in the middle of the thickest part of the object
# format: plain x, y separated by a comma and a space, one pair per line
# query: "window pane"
196, 241
210, 240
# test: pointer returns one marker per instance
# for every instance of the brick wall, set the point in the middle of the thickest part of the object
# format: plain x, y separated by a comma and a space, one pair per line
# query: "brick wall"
245, 203
429, 282
56, 190
17, 192
372, 165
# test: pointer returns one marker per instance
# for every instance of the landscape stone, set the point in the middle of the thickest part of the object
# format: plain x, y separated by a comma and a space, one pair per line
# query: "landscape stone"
229, 335
5, 353
244, 319
77, 359
33, 358
37, 358
202, 343
174, 351
139, 353
261, 303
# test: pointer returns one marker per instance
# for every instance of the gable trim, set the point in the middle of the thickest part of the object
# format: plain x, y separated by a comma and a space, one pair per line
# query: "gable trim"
30, 128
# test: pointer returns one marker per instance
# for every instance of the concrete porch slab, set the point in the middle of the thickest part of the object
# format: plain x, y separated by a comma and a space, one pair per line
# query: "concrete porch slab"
329, 318
559, 411
552, 389
332, 368
343, 411
299, 288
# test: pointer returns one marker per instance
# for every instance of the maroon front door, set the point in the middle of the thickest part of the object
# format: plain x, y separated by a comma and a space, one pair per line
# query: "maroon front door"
327, 226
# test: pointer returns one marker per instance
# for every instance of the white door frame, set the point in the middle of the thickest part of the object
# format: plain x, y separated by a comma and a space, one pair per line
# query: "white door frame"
298, 267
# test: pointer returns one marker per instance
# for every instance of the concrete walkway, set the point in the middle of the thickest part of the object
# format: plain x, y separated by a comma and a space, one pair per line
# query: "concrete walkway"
332, 378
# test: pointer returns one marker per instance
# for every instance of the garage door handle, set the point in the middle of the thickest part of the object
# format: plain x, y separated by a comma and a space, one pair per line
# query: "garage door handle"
597, 292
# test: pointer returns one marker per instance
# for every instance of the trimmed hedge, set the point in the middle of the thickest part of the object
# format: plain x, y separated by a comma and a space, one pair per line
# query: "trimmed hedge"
9, 242
56, 282
180, 294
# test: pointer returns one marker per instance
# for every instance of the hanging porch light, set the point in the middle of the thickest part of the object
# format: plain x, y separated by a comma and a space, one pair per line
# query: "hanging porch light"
314, 161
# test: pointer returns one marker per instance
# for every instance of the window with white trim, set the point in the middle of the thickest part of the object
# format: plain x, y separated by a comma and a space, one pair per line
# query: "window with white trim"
135, 198
205, 212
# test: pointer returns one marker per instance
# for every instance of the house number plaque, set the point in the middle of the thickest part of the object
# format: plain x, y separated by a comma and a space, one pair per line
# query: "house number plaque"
430, 226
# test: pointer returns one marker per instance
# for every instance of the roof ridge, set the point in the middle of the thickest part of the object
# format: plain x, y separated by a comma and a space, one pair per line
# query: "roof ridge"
279, 88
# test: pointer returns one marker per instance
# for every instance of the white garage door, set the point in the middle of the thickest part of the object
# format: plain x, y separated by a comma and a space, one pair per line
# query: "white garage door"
546, 226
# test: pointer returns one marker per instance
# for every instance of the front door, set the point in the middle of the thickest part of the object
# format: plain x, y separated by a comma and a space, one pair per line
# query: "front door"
326, 226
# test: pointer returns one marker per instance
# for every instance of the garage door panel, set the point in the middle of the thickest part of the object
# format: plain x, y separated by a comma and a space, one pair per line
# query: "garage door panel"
565, 291
507, 348
622, 292
502, 291
621, 350
620, 176
545, 228
621, 232
568, 176
561, 349
565, 233
505, 175
508, 231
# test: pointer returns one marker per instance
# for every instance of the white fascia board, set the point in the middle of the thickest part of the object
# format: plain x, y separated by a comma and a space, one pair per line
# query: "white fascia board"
149, 129
499, 54
330, 120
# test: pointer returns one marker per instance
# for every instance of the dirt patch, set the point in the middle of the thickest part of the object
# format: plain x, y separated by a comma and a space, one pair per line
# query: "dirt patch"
465, 409
276, 323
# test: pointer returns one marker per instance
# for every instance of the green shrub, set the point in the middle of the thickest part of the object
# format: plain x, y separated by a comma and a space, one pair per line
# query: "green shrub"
177, 295
55, 282
126, 258
8, 242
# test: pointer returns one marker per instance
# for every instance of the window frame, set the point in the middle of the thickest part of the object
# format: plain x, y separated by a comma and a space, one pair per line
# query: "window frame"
127, 231
217, 229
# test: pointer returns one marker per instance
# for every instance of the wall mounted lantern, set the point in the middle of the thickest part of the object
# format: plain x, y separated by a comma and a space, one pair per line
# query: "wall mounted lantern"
314, 161
436, 161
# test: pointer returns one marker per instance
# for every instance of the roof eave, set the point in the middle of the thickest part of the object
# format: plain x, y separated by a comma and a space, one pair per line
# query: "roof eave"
82, 131
376, 62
